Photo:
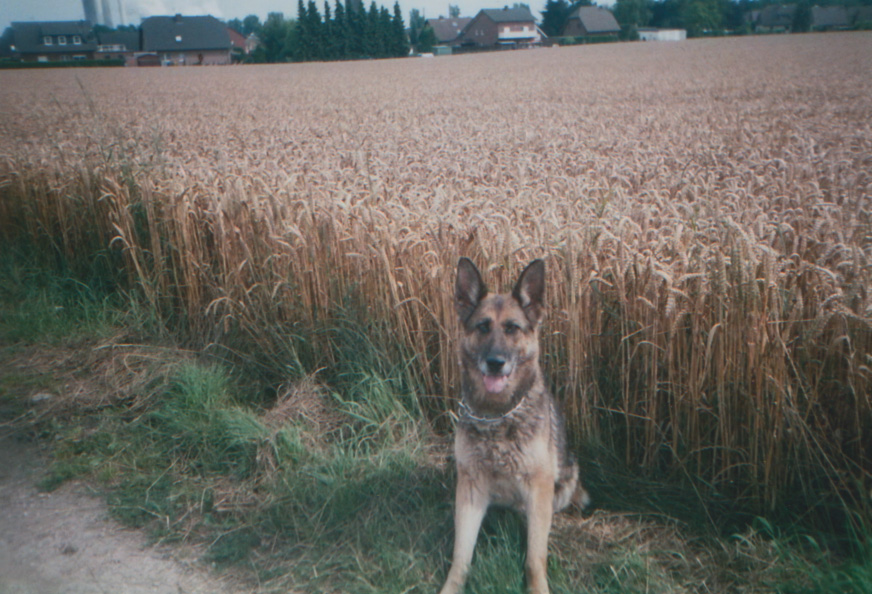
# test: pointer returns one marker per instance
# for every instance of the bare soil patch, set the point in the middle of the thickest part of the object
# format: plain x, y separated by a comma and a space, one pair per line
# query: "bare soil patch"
63, 542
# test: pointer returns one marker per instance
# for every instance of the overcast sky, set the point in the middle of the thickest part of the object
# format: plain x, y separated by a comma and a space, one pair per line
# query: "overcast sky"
63, 10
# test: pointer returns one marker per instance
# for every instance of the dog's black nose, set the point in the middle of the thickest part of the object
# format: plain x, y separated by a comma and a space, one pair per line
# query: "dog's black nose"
495, 365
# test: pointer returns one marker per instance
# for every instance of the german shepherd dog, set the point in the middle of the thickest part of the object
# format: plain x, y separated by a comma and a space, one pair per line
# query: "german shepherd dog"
510, 444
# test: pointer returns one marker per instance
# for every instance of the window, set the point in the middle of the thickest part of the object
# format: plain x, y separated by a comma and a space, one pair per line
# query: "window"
62, 39
77, 40
47, 40
178, 38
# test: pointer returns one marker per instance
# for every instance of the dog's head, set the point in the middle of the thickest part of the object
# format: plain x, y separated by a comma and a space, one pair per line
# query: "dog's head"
499, 346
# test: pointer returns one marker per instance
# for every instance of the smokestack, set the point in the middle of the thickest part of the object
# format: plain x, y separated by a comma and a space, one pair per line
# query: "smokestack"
90, 7
107, 14
122, 17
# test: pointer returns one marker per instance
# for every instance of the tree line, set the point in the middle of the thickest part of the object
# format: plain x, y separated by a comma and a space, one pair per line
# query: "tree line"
346, 31
708, 17
697, 17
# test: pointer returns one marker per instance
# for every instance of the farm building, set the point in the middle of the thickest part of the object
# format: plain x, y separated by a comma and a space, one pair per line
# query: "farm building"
182, 40
591, 21
504, 27
653, 34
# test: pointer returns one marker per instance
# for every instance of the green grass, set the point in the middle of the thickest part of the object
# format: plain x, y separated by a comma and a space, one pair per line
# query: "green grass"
194, 451
39, 306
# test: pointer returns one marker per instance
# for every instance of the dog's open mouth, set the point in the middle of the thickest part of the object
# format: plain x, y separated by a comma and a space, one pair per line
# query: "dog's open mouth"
495, 383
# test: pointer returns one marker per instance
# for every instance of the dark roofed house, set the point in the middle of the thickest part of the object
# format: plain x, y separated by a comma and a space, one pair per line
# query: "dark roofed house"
775, 18
591, 21
830, 18
184, 40
502, 27
53, 41
447, 30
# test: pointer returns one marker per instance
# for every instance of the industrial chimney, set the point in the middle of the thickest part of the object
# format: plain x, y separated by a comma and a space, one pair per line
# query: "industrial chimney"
90, 7
107, 14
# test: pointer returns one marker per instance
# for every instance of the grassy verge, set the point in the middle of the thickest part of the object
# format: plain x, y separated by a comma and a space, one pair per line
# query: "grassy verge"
336, 482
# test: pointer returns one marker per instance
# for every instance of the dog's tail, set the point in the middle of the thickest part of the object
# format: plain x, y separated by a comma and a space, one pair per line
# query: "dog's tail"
569, 490
581, 499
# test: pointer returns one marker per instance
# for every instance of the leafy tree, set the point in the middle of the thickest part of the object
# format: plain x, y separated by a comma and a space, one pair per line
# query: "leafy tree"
632, 14
250, 24
416, 24
701, 16
802, 18
273, 39
453, 11
554, 17
426, 39
247, 26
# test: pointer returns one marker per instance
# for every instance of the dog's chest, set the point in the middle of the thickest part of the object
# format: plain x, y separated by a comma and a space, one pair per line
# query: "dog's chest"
506, 451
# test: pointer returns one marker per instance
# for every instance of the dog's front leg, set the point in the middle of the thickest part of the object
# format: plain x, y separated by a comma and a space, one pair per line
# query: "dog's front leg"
471, 504
540, 508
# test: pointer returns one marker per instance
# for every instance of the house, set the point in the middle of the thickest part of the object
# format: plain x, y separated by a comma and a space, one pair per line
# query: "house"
590, 21
186, 40
776, 18
654, 34
448, 30
504, 27
53, 41
237, 40
830, 18
118, 45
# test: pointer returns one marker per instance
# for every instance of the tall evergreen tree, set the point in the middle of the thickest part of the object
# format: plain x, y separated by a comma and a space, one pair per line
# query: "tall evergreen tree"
400, 41
341, 31
356, 18
331, 41
385, 33
370, 31
302, 44
314, 31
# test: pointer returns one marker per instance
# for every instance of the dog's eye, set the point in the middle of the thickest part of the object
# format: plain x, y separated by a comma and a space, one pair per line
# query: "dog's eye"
511, 328
483, 327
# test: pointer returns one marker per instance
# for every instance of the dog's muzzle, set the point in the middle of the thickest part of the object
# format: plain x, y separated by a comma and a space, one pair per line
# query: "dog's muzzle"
495, 373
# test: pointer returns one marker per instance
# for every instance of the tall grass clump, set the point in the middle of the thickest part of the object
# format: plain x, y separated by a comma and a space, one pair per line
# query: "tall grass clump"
707, 238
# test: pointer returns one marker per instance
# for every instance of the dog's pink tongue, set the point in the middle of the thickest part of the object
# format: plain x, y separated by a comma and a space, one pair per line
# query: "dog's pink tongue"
495, 383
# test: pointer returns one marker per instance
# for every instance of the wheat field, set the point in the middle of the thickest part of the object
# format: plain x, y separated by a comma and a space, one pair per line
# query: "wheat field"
704, 208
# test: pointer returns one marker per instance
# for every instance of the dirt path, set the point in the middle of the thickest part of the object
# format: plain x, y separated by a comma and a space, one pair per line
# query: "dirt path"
64, 542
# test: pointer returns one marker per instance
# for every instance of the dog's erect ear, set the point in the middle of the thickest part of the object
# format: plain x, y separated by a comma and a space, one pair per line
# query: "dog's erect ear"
530, 291
469, 289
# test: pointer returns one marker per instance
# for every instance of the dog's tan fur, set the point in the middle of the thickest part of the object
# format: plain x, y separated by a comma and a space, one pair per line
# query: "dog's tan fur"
510, 444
